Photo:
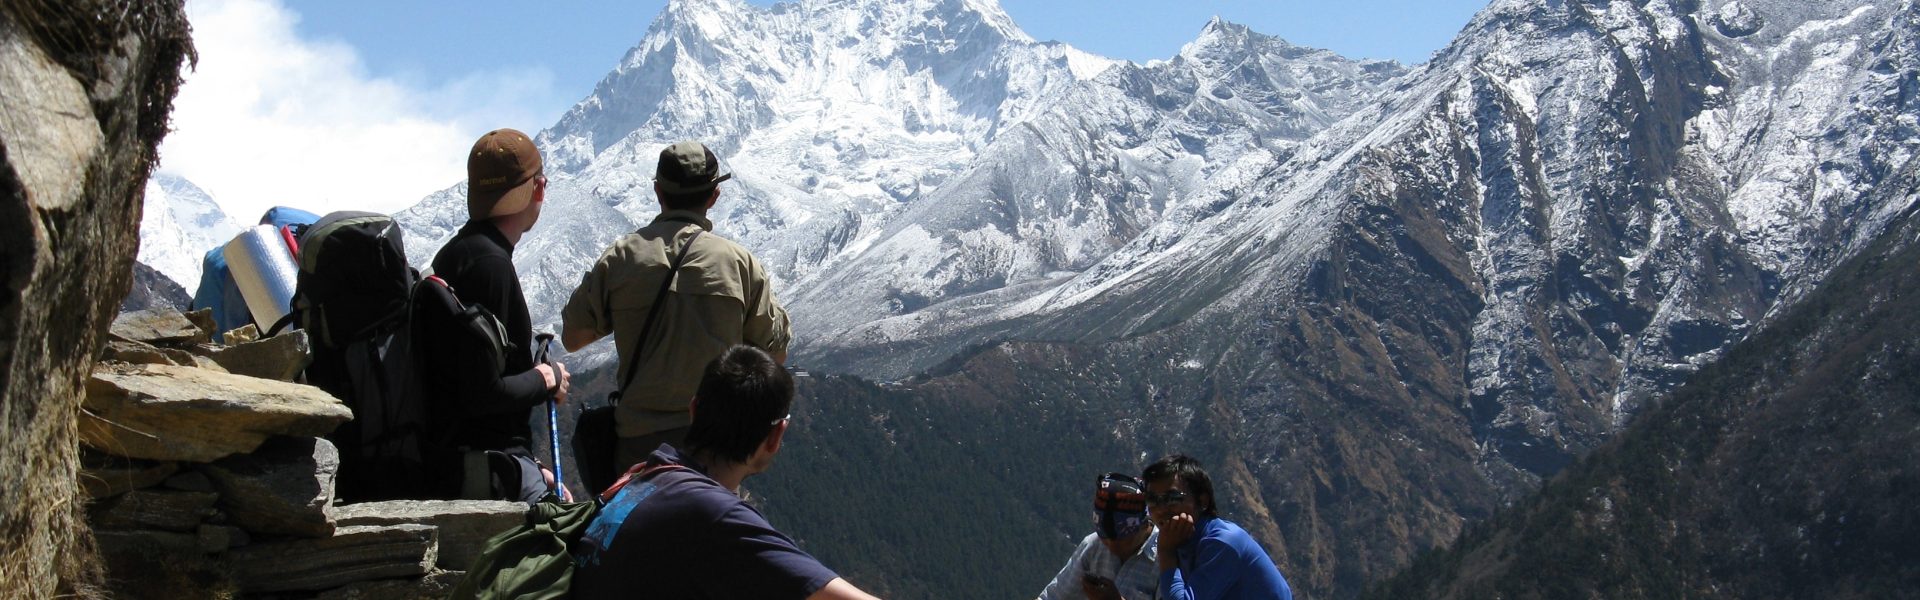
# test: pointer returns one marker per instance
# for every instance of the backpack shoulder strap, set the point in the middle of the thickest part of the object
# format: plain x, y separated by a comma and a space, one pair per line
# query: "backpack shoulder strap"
640, 345
640, 472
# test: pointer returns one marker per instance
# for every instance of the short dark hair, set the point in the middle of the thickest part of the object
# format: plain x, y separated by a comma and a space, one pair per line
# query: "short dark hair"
686, 200
1188, 469
741, 395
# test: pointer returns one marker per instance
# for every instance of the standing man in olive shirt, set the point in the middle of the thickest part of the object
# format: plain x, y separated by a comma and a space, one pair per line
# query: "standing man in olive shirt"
720, 297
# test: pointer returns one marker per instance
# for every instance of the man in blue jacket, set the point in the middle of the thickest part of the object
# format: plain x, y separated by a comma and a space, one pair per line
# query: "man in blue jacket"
1202, 555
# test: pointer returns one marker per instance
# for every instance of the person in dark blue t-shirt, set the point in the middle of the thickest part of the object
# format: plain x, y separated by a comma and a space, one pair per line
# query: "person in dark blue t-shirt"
1202, 555
676, 527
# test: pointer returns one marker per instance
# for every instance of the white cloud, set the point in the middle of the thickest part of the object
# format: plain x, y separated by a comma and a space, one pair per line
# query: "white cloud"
269, 118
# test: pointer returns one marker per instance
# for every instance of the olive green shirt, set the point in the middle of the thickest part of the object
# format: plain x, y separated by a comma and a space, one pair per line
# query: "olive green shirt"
721, 298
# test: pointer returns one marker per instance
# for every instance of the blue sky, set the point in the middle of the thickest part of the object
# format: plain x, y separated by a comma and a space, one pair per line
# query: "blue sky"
579, 41
386, 95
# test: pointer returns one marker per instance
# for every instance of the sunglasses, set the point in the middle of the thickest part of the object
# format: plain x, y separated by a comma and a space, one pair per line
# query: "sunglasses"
1165, 498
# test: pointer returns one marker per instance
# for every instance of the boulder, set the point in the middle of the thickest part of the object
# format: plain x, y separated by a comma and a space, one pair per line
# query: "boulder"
160, 412
353, 554
434, 586
135, 353
280, 357
86, 86
166, 510
203, 319
107, 481
285, 487
189, 359
464, 525
158, 326
242, 334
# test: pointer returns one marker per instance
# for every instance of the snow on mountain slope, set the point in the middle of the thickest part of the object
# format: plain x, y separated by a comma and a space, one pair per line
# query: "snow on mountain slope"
891, 156
179, 223
1583, 202
1393, 327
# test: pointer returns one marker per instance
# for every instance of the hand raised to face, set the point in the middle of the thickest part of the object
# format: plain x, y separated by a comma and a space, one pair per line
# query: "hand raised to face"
1171, 507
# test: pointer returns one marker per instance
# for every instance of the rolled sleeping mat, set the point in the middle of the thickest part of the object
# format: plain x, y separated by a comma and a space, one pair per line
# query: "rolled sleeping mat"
264, 270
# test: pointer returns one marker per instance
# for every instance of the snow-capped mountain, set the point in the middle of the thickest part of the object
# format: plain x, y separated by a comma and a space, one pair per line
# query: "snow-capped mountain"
897, 156
1485, 271
1385, 301
178, 225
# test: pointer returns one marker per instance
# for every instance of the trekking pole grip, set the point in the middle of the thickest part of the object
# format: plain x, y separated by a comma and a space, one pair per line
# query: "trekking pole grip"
545, 356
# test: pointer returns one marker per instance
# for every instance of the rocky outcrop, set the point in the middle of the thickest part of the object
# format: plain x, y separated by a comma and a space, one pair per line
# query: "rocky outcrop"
161, 412
153, 289
87, 84
211, 483
1785, 470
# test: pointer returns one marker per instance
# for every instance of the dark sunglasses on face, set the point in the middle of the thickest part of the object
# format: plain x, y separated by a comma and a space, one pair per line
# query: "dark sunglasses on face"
1165, 498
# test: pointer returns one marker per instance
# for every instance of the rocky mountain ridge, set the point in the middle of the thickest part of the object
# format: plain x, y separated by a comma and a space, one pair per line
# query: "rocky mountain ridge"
1729, 487
1380, 302
1414, 316
884, 167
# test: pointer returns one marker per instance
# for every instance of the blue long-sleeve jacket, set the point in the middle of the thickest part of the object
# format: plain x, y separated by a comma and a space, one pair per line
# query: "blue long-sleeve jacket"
1222, 562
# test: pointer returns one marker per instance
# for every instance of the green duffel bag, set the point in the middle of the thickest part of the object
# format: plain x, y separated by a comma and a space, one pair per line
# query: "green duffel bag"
534, 560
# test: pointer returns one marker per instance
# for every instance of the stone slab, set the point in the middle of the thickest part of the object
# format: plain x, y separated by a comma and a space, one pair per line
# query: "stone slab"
283, 487
465, 525
157, 326
160, 412
353, 554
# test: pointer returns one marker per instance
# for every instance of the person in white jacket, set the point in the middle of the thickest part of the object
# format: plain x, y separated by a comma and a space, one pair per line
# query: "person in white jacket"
1116, 560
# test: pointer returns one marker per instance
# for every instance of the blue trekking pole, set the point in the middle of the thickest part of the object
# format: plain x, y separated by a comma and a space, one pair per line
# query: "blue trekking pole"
553, 415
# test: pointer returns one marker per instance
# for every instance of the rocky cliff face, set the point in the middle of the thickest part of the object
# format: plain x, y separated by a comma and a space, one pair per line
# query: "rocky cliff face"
87, 87
152, 289
1782, 470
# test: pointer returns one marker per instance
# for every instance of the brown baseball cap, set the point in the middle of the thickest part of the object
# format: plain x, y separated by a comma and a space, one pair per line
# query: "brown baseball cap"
688, 167
500, 174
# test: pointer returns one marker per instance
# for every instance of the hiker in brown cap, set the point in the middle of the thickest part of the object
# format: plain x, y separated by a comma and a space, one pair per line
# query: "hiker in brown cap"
505, 191
667, 328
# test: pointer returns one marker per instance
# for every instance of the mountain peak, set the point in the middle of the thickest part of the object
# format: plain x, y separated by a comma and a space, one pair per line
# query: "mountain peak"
1223, 36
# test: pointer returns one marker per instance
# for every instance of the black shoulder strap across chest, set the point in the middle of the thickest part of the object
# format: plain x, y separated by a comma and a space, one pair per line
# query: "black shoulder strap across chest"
659, 299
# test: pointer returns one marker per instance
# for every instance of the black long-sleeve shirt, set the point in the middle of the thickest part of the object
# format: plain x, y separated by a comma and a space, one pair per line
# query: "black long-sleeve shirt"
487, 411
